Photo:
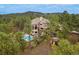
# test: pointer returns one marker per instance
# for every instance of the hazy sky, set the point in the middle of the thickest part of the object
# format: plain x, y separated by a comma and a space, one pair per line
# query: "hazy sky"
46, 8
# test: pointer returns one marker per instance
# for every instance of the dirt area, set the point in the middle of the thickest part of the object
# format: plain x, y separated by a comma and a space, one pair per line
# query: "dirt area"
42, 49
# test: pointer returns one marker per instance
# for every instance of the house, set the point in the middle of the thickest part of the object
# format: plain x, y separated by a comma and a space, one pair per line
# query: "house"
38, 25
74, 36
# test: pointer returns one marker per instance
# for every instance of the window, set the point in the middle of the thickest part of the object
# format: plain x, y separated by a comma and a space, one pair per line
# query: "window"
40, 24
35, 32
41, 28
35, 26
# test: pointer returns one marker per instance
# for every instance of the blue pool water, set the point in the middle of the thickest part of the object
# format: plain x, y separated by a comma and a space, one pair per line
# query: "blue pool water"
27, 37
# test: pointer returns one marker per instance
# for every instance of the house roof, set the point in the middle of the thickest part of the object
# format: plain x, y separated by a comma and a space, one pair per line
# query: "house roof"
39, 20
74, 32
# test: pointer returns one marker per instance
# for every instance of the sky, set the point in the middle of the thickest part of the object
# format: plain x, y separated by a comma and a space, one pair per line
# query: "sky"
45, 8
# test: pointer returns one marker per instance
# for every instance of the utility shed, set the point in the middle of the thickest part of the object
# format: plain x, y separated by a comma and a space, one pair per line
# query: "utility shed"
38, 25
74, 37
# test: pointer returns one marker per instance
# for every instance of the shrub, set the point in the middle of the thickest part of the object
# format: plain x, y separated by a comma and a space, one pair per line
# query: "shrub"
11, 43
65, 48
23, 43
7, 44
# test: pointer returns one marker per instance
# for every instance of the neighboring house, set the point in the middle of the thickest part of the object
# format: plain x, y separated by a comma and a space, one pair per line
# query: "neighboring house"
38, 25
74, 37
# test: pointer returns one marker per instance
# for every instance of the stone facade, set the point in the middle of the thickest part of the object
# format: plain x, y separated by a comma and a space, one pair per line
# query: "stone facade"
38, 25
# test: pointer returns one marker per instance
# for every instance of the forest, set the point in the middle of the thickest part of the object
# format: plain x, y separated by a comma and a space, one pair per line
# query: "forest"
13, 26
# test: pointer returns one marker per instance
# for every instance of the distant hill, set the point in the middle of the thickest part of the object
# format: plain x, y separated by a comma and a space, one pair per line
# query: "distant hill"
68, 21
